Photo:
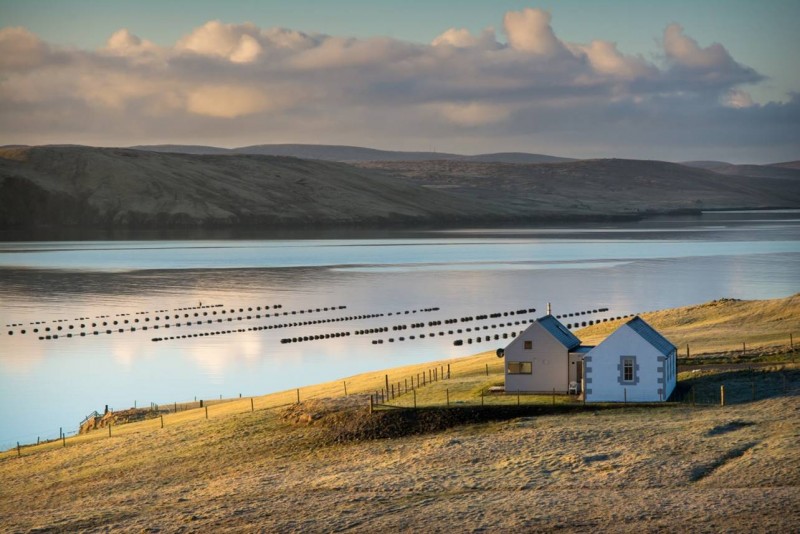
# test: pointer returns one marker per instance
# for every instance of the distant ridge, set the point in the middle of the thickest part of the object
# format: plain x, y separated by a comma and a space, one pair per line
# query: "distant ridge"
345, 153
789, 170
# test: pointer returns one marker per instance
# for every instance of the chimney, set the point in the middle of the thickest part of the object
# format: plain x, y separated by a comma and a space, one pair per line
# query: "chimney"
548, 309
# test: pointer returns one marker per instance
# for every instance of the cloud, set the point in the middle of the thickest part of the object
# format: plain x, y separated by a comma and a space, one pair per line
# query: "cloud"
529, 31
21, 50
239, 84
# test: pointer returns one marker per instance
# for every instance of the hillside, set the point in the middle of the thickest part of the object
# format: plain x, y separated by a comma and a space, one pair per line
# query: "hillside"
74, 186
719, 326
622, 186
344, 153
789, 170
83, 186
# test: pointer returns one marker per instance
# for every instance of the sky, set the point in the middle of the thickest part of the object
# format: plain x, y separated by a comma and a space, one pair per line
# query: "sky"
676, 81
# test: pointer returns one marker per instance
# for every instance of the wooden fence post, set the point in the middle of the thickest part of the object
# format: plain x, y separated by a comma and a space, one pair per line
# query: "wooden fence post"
162, 421
252, 405
448, 371
406, 381
298, 395
370, 404
109, 430
64, 439
744, 349
206, 412
722, 395
487, 369
387, 384
19, 451
687, 351
345, 388
392, 397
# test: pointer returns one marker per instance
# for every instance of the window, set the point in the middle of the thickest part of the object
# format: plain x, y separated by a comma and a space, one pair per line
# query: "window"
528, 345
628, 370
520, 368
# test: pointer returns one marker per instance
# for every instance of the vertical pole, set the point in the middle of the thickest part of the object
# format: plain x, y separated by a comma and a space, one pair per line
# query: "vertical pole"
406, 381
392, 397
64, 439
370, 404
298, 395
448, 371
687, 350
625, 395
744, 349
19, 452
175, 407
722, 395
487, 369
60, 431
345, 388
387, 383
252, 405
517, 397
206, 412
162, 421
109, 430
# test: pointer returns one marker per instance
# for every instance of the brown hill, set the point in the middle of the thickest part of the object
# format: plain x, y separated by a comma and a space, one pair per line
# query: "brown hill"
74, 186
605, 185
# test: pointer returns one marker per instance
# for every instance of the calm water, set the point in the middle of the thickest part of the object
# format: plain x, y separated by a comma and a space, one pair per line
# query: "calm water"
47, 384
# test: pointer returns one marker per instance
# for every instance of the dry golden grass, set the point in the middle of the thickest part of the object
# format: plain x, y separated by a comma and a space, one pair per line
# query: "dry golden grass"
719, 326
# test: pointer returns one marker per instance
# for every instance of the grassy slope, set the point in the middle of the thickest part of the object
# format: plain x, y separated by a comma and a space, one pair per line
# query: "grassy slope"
719, 326
735, 468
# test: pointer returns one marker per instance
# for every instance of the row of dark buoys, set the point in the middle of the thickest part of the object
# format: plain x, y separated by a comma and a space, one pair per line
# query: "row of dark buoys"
200, 334
479, 339
199, 321
584, 312
316, 337
371, 331
423, 310
598, 321
442, 333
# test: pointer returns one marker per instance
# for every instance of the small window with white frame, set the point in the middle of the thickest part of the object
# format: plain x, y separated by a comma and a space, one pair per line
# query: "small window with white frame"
628, 371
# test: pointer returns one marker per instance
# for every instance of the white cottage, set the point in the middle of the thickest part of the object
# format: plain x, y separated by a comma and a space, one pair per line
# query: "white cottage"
635, 364
546, 356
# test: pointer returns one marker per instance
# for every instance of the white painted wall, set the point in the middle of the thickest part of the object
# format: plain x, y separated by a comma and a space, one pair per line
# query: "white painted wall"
602, 372
549, 360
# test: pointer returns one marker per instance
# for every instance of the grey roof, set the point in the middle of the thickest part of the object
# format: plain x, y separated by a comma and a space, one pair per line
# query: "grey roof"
559, 331
650, 335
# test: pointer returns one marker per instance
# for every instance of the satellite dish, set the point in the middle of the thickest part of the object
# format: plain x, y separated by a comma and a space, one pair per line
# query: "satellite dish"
501, 353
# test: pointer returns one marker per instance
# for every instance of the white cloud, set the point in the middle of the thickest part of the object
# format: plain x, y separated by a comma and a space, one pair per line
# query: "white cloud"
240, 84
529, 31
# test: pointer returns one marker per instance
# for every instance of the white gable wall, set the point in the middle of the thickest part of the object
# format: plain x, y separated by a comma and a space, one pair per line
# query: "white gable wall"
549, 362
654, 373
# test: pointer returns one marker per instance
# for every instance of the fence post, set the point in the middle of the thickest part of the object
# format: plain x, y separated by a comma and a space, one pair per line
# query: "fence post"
387, 383
448, 371
744, 349
19, 451
252, 405
109, 429
687, 351
345, 388
392, 397
64, 439
206, 412
406, 381
722, 395
370, 404
487, 369
201, 403
298, 395
162, 421
175, 407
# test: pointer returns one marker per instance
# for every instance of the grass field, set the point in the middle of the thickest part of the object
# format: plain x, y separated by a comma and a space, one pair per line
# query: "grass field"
271, 465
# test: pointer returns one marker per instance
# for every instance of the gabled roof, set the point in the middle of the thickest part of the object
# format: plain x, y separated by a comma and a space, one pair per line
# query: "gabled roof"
649, 334
559, 331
